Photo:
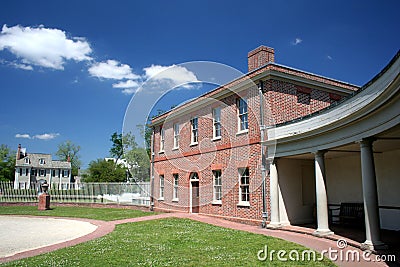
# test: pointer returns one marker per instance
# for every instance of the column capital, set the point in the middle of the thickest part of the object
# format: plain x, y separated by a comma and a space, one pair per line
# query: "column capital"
272, 160
319, 153
366, 141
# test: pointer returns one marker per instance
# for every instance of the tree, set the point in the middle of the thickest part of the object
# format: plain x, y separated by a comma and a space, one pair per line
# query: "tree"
7, 163
117, 149
125, 146
68, 149
139, 163
121, 144
103, 171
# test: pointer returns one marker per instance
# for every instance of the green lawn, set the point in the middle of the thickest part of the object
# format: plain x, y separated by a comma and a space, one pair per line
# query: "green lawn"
105, 214
170, 242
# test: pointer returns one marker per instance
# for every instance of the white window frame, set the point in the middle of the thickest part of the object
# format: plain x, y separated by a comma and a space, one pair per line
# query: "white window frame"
27, 160
217, 187
42, 161
162, 187
22, 185
194, 130
243, 119
216, 113
176, 135
42, 171
162, 139
175, 196
65, 172
244, 188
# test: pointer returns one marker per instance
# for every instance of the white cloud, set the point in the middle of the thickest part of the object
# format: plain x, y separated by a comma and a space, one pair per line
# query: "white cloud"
176, 74
129, 91
112, 69
46, 136
21, 66
329, 57
44, 47
126, 84
27, 136
297, 41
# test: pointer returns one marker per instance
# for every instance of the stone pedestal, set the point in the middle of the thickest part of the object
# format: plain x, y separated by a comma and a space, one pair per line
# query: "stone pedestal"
44, 202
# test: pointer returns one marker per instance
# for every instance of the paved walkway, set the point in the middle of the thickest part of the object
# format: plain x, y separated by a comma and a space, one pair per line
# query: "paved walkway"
95, 229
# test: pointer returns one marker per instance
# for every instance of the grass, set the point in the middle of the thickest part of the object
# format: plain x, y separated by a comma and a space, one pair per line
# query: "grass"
105, 214
170, 242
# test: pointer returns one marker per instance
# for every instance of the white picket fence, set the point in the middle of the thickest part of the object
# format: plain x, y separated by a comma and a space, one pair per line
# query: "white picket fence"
117, 193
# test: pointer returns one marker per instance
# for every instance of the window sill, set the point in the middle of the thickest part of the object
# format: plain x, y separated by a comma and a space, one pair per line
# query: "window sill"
161, 199
216, 202
242, 132
175, 200
216, 138
175, 148
243, 204
161, 152
194, 144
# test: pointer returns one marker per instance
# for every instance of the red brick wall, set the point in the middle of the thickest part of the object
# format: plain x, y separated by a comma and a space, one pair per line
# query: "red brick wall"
283, 102
259, 57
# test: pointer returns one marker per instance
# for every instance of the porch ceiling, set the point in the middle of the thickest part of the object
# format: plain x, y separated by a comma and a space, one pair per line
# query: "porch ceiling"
386, 141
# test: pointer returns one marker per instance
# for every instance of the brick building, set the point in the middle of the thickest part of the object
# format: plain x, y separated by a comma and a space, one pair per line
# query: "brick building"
208, 152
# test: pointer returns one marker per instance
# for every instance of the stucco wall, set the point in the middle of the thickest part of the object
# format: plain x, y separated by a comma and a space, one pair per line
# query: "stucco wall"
344, 183
297, 189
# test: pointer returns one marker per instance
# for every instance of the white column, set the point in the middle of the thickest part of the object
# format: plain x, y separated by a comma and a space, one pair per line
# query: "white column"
370, 195
16, 181
274, 195
322, 200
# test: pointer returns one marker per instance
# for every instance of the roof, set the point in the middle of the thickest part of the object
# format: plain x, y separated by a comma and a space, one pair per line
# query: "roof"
270, 69
34, 162
344, 99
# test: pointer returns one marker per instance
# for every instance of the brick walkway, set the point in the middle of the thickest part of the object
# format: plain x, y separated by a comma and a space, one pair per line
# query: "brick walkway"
294, 235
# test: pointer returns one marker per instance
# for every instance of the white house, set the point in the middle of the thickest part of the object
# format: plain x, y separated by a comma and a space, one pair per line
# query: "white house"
30, 168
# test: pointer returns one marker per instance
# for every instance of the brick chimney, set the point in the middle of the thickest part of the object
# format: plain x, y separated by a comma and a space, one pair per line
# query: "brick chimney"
260, 57
69, 159
19, 152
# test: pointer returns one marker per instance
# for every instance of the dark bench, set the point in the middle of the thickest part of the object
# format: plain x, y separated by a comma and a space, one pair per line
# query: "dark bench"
347, 214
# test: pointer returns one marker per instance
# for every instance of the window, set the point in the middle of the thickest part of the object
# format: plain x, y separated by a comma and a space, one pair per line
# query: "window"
20, 171
26, 172
53, 173
65, 173
244, 188
176, 135
22, 185
195, 130
217, 122
162, 139
217, 186
176, 186
161, 186
42, 172
41, 161
242, 115
27, 160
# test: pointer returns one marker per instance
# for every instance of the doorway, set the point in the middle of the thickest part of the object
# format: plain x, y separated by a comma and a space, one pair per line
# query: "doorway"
194, 192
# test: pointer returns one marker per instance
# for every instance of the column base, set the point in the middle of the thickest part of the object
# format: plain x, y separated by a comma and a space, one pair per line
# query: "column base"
373, 246
274, 226
323, 232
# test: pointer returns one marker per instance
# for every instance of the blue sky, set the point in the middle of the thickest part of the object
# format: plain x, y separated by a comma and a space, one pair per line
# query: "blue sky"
70, 68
